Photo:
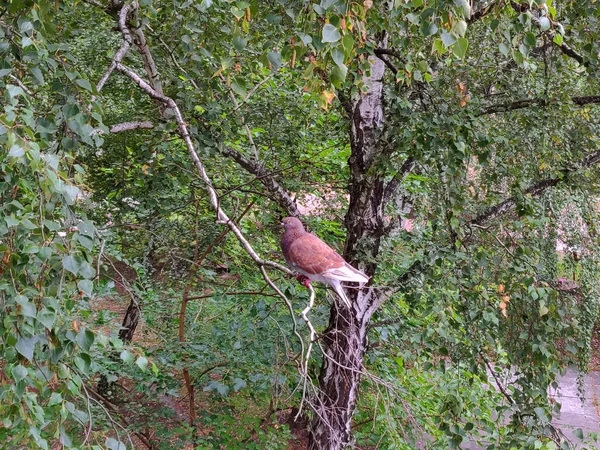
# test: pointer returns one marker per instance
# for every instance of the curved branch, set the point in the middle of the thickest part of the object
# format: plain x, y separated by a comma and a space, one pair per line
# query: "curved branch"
535, 189
525, 103
125, 45
278, 193
389, 65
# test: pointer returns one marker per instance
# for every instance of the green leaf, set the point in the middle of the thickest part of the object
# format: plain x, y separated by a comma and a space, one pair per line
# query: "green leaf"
28, 224
55, 399
87, 271
83, 362
504, 49
85, 339
71, 193
16, 151
126, 356
460, 48
544, 24
26, 346
541, 413
204, 5
338, 76
11, 221
142, 362
577, 432
464, 8
86, 228
348, 44
413, 18
19, 373
529, 40
558, 39
330, 33
275, 60
86, 286
338, 56
70, 263
428, 28
28, 308
110, 443
518, 57
239, 43
439, 46
238, 384
217, 386
85, 84
460, 28
46, 318
14, 91
86, 241
37, 74
448, 39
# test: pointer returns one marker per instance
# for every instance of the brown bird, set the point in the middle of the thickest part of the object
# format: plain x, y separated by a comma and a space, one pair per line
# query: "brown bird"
313, 258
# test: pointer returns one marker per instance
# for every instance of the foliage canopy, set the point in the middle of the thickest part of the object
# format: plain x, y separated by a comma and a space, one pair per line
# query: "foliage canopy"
452, 145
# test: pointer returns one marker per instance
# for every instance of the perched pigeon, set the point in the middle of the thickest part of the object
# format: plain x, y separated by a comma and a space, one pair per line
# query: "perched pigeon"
313, 258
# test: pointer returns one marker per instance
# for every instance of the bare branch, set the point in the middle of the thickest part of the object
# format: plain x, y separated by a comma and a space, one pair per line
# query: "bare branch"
535, 189
129, 126
21, 85
139, 38
525, 103
125, 44
573, 54
388, 51
511, 106
581, 101
282, 197
311, 340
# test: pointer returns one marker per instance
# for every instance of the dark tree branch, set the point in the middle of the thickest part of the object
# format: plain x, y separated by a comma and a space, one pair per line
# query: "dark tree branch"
389, 65
388, 51
581, 101
573, 54
535, 189
525, 103
511, 106
523, 7
282, 197
483, 11
404, 171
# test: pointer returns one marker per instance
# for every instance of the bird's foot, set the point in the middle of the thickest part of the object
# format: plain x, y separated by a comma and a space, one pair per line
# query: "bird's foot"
304, 280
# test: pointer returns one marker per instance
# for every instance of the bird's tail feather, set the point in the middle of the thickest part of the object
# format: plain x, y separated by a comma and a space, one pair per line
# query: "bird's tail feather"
339, 290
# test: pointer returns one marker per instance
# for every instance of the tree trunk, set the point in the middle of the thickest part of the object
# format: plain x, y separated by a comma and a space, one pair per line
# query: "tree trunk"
345, 337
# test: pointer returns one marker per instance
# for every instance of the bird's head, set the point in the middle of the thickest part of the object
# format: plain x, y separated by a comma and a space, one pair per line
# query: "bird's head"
291, 223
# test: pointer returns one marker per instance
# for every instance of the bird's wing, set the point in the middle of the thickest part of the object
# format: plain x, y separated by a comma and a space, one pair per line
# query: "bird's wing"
313, 256
345, 273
